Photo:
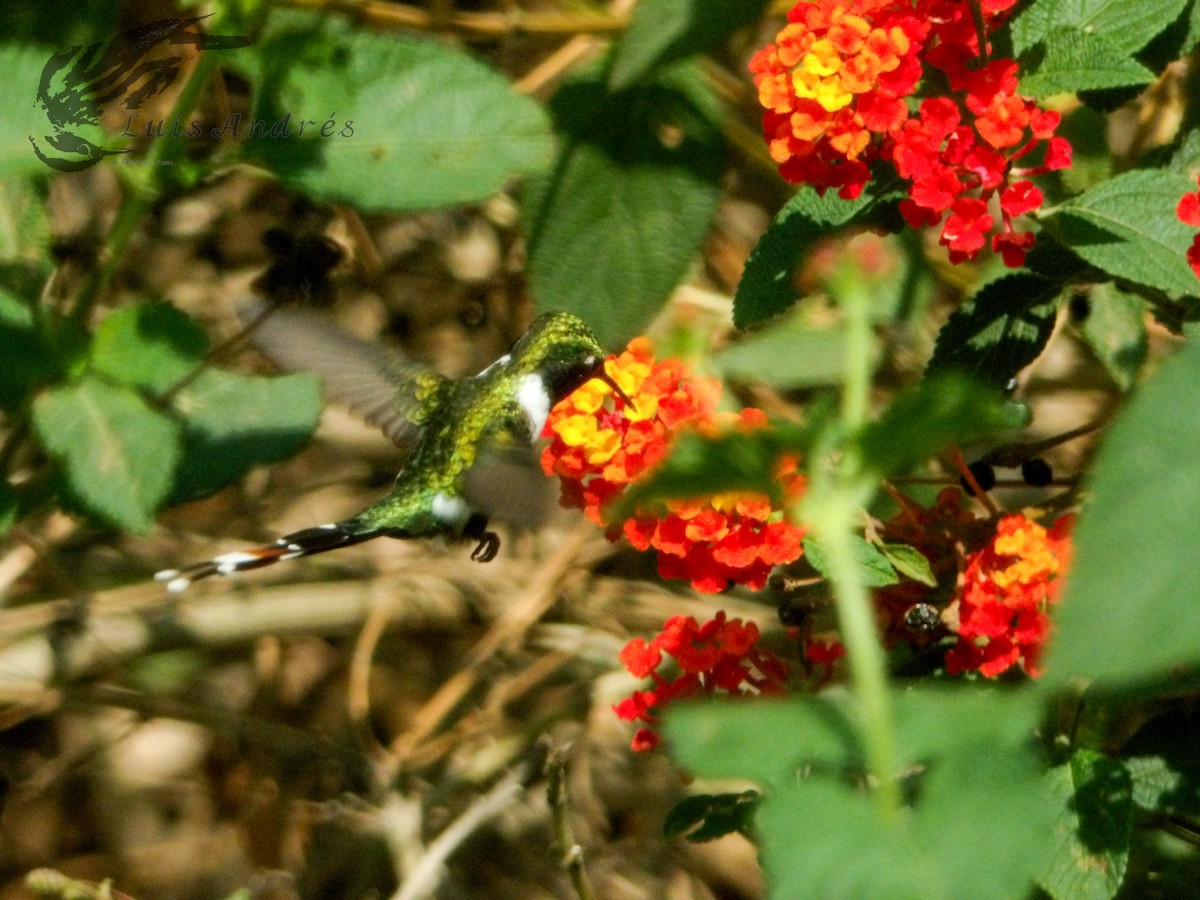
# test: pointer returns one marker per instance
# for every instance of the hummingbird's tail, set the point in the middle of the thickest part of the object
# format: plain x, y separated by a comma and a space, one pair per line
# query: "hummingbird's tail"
299, 543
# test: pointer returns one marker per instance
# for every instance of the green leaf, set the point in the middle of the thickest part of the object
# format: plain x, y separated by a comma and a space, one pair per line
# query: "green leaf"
20, 71
909, 562
1128, 25
151, 345
235, 422
1000, 330
27, 360
1129, 612
974, 783
699, 465
1093, 828
939, 412
119, 455
767, 287
873, 567
416, 123
1078, 62
1127, 227
1115, 329
1167, 785
630, 202
706, 817
766, 741
793, 354
24, 229
664, 31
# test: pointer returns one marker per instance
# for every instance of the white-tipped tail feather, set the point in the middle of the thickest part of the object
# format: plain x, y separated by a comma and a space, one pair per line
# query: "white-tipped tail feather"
291, 546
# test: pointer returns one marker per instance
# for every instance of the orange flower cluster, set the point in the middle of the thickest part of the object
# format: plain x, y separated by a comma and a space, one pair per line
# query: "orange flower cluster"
835, 77
834, 86
720, 655
1009, 584
599, 445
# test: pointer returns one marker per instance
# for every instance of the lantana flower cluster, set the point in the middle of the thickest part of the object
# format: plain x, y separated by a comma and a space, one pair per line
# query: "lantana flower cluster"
834, 86
722, 655
1005, 573
1009, 584
1188, 212
600, 445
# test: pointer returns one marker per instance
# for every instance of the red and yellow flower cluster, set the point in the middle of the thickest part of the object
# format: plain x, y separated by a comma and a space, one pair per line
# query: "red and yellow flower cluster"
600, 445
1002, 617
834, 86
720, 655
1188, 212
1004, 575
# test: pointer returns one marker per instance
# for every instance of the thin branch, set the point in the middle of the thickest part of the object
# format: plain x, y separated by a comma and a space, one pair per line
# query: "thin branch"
560, 805
423, 880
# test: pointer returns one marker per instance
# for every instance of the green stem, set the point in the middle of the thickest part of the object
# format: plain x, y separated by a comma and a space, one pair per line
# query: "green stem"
840, 496
142, 194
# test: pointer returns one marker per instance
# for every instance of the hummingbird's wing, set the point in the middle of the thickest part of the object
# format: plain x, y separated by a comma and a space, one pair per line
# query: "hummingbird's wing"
507, 481
393, 393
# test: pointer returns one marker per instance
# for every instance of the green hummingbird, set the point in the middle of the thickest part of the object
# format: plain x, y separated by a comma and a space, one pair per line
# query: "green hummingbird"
457, 433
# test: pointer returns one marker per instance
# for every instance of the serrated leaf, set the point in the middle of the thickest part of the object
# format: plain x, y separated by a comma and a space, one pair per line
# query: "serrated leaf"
874, 569
706, 817
417, 123
923, 421
1161, 786
119, 455
1000, 330
1128, 25
1119, 624
1079, 62
909, 562
1127, 227
235, 422
151, 345
664, 31
1115, 329
1093, 829
767, 286
631, 199
792, 354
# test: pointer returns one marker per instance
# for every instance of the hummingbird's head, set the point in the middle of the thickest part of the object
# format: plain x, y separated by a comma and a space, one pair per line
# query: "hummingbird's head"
563, 351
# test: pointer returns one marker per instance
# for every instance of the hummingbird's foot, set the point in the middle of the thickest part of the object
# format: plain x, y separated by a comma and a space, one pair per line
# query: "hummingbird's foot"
489, 546
489, 541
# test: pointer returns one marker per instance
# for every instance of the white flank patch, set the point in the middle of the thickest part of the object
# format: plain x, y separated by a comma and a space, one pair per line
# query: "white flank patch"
535, 400
450, 510
502, 361
227, 563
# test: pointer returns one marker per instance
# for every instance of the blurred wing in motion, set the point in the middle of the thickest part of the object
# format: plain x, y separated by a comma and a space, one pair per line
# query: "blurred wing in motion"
392, 393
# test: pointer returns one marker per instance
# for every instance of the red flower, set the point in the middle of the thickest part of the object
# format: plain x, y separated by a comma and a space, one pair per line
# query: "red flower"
834, 86
719, 656
1007, 588
1188, 212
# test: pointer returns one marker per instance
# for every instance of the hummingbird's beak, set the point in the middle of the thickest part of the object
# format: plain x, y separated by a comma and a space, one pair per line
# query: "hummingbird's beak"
603, 375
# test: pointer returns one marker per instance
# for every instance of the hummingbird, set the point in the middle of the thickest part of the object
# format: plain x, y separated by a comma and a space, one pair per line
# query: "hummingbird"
458, 434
